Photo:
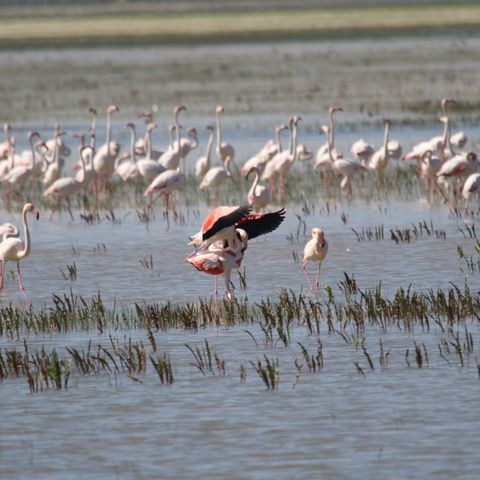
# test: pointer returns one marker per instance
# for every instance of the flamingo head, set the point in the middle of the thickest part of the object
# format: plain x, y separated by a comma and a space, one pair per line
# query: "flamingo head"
179, 108
250, 171
210, 128
219, 109
28, 207
151, 126
318, 233
280, 128
112, 109
80, 137
192, 132
92, 111
332, 110
426, 157
130, 125
33, 134
324, 129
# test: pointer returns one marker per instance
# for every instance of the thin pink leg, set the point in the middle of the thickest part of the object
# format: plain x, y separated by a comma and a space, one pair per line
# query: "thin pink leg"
215, 287
306, 275
20, 283
318, 274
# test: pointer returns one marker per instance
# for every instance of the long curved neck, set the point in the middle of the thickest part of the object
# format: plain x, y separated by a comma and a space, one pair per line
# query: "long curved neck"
446, 138
177, 130
149, 143
34, 157
227, 166
254, 184
294, 143
331, 133
109, 131
219, 130
93, 136
26, 250
132, 145
194, 145
329, 149
290, 142
56, 152
208, 154
84, 168
279, 142
385, 139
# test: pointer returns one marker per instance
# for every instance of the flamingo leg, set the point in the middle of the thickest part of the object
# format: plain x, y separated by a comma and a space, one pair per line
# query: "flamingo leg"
304, 265
215, 287
318, 275
167, 197
228, 291
20, 283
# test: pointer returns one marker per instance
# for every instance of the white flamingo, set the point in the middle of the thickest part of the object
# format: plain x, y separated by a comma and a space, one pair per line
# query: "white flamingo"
471, 186
148, 167
224, 151
65, 187
170, 159
126, 166
104, 159
258, 195
203, 164
379, 161
13, 249
315, 250
55, 165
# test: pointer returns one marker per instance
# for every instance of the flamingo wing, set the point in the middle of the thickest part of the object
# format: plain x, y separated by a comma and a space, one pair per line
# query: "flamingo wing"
219, 219
259, 224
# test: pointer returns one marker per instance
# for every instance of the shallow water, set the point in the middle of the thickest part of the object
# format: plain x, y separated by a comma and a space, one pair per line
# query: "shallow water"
398, 423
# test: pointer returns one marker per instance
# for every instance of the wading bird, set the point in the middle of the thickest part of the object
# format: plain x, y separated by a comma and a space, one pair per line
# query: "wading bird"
315, 251
12, 249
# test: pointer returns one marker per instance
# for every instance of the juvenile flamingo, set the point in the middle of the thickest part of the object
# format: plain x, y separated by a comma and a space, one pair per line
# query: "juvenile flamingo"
258, 195
315, 251
12, 249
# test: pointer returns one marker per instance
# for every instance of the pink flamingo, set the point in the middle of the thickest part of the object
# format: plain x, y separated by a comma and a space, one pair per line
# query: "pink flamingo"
12, 249
315, 251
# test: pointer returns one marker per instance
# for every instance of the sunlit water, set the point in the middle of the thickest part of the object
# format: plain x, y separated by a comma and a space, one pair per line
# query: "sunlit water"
399, 423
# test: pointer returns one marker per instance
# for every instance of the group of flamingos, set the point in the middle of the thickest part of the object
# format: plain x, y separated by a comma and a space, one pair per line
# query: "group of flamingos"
222, 241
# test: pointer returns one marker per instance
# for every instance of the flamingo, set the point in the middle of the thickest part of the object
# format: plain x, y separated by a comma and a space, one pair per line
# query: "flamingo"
125, 166
458, 140
222, 221
64, 150
322, 154
471, 186
18, 176
315, 251
216, 261
202, 166
429, 167
345, 167
362, 150
147, 167
258, 195
65, 187
224, 151
189, 144
227, 239
170, 159
84, 174
379, 160
12, 249
216, 176
165, 184
55, 165
281, 164
141, 143
104, 159
460, 165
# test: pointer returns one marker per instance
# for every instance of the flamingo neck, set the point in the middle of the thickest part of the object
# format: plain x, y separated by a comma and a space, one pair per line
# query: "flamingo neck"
294, 143
26, 250
93, 127
331, 133
33, 152
219, 130
385, 140
177, 130
209, 148
254, 185
84, 168
109, 132
132, 145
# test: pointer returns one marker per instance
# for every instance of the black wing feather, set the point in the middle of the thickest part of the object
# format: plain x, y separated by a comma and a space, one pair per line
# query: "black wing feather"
256, 226
227, 221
